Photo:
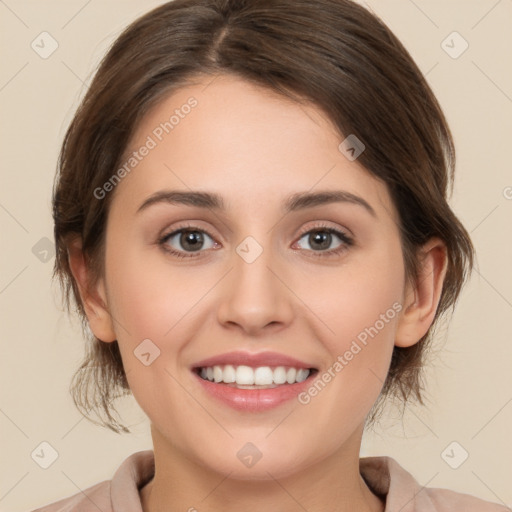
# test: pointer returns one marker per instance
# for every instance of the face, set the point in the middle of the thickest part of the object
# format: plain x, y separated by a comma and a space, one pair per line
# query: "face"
307, 284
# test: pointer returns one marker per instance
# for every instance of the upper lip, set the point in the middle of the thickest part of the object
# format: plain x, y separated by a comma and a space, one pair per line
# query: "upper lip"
238, 358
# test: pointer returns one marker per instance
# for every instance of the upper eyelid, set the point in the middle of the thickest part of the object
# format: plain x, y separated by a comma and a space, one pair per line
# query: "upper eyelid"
325, 225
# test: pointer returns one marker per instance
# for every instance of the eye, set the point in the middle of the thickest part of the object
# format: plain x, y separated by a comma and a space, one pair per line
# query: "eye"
188, 239
321, 237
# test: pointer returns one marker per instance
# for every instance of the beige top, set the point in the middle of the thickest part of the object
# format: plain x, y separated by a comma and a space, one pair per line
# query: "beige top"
383, 475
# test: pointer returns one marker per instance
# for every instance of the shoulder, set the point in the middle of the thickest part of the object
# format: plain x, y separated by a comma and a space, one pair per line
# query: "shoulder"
92, 499
387, 478
120, 493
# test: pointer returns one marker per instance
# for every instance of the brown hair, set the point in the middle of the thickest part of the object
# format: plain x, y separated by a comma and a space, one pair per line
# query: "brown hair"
333, 53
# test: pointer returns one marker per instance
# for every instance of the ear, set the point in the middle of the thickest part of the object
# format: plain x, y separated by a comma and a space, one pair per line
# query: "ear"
421, 298
93, 295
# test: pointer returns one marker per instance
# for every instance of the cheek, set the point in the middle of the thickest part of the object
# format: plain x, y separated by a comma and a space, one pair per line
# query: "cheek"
150, 301
148, 294
364, 298
362, 309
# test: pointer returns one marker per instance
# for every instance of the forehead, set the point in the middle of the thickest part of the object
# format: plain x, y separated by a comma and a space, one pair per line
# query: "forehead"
247, 143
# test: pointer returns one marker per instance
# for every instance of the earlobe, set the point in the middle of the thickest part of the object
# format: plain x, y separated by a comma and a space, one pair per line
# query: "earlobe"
421, 298
93, 295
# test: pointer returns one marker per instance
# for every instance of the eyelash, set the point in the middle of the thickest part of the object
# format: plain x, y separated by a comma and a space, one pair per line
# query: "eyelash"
347, 241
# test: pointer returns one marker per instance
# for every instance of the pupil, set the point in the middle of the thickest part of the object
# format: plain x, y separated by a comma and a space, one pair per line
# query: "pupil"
322, 239
191, 240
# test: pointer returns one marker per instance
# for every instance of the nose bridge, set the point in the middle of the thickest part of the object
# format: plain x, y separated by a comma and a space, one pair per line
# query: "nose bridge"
255, 296
253, 279
252, 262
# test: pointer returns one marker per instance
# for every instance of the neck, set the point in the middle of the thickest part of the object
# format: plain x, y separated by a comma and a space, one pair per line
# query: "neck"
333, 483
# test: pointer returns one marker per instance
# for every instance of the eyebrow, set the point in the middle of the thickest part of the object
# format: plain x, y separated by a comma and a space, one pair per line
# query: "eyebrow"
295, 202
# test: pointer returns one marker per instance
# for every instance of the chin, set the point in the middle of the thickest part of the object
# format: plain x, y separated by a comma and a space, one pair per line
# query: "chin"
246, 462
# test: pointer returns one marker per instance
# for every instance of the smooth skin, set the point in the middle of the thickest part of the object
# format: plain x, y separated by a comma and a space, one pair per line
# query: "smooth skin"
255, 149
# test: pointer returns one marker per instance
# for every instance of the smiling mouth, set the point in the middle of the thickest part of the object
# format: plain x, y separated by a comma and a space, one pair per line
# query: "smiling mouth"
261, 377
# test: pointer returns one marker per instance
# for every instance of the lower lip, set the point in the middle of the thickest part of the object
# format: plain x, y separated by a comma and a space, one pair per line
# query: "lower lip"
254, 400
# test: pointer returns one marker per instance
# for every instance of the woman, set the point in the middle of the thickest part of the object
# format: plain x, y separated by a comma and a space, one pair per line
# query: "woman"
251, 215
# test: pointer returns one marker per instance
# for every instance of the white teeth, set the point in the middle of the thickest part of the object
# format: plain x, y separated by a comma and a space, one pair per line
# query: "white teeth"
280, 375
302, 375
290, 375
229, 374
263, 376
247, 376
217, 373
244, 375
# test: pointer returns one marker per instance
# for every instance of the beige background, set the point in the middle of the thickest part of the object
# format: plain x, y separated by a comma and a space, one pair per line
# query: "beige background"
470, 379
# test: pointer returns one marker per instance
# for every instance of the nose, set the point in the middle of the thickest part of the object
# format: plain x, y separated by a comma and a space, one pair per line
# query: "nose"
255, 296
